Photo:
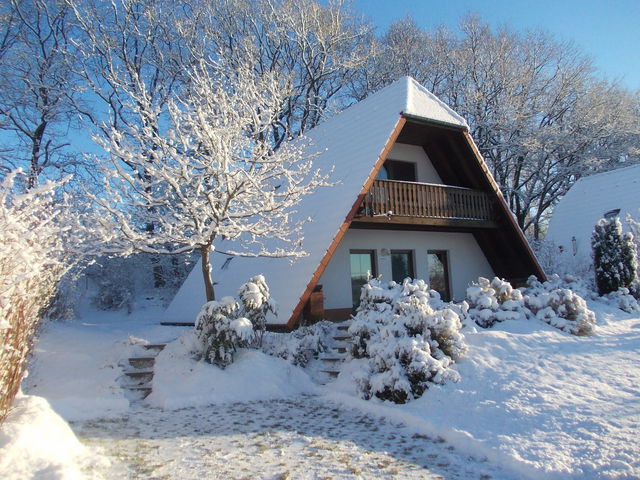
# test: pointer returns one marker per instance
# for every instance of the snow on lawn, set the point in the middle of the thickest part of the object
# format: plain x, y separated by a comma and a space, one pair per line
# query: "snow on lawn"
539, 401
36, 443
76, 365
180, 381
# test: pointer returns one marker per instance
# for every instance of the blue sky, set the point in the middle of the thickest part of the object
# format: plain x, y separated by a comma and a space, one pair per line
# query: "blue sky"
608, 31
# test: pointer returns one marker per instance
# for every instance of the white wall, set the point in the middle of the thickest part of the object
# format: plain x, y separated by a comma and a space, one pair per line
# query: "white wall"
412, 153
466, 260
587, 201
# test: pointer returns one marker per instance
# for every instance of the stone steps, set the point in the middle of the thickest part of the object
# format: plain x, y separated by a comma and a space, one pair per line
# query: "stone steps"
138, 375
332, 360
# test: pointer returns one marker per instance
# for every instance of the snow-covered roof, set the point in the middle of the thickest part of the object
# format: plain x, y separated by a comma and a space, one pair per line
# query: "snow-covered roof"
587, 202
350, 143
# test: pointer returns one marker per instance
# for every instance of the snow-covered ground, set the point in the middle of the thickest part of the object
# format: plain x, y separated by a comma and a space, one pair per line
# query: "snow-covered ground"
542, 402
534, 402
304, 437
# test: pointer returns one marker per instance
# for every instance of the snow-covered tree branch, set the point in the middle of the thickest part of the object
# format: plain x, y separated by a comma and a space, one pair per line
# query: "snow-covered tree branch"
210, 174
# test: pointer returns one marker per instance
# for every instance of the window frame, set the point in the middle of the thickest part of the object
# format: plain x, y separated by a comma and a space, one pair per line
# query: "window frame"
447, 272
374, 266
412, 261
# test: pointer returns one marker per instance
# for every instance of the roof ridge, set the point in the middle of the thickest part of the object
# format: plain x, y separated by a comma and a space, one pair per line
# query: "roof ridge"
608, 172
414, 84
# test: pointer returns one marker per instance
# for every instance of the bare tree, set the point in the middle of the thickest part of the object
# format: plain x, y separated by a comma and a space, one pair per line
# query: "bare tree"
36, 106
212, 173
133, 58
319, 47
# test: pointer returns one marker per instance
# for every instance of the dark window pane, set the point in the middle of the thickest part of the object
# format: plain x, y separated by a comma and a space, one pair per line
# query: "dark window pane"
401, 265
439, 273
405, 172
402, 171
362, 269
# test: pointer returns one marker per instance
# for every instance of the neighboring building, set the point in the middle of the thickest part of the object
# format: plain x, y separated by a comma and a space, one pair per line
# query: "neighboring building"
614, 193
414, 198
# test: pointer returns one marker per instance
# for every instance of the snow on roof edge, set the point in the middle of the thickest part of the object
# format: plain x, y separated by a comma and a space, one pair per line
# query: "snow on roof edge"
413, 109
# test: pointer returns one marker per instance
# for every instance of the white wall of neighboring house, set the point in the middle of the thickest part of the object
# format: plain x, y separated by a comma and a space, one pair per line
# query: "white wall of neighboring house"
585, 203
425, 172
466, 260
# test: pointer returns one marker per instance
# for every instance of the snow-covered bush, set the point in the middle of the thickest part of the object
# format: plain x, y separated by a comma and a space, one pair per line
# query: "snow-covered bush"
614, 256
300, 346
634, 227
221, 331
558, 302
494, 301
257, 303
580, 286
560, 307
226, 325
409, 338
623, 300
38, 240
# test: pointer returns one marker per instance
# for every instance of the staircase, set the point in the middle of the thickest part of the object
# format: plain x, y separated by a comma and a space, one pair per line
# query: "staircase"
332, 359
138, 373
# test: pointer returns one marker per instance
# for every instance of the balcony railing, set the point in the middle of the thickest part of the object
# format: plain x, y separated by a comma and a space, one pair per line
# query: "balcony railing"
425, 200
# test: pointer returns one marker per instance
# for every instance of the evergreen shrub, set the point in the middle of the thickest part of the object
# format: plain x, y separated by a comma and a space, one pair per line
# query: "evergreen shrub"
614, 256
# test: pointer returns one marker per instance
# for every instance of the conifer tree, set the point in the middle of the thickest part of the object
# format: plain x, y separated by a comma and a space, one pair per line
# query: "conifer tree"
614, 256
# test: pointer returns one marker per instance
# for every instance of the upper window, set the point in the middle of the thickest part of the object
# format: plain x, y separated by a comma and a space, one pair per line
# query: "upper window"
402, 265
397, 170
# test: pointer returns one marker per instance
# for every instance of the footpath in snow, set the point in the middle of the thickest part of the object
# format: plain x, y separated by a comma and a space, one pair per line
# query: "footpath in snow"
300, 438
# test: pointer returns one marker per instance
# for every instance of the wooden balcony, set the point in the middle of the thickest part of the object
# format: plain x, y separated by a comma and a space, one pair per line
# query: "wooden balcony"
395, 202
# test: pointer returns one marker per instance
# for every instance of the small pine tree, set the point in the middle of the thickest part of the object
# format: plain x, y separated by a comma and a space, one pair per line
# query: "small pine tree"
614, 256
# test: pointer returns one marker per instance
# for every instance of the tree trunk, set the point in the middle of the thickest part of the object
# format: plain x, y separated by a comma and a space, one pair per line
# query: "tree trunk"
206, 274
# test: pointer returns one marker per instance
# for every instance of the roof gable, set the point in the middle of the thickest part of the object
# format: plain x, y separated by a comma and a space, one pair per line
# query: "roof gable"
353, 144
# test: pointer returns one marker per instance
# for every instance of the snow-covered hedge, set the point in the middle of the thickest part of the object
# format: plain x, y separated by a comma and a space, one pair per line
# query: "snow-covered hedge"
38, 240
624, 300
494, 301
300, 346
557, 302
407, 336
116, 281
560, 307
226, 325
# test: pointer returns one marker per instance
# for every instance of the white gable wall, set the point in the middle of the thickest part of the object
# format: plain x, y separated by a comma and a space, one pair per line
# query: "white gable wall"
466, 260
425, 172
586, 202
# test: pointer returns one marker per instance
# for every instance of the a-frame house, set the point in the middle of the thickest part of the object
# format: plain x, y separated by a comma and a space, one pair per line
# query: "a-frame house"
413, 198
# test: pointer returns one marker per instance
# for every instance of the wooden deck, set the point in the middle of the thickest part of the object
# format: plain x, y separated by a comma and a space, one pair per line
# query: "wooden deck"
412, 203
